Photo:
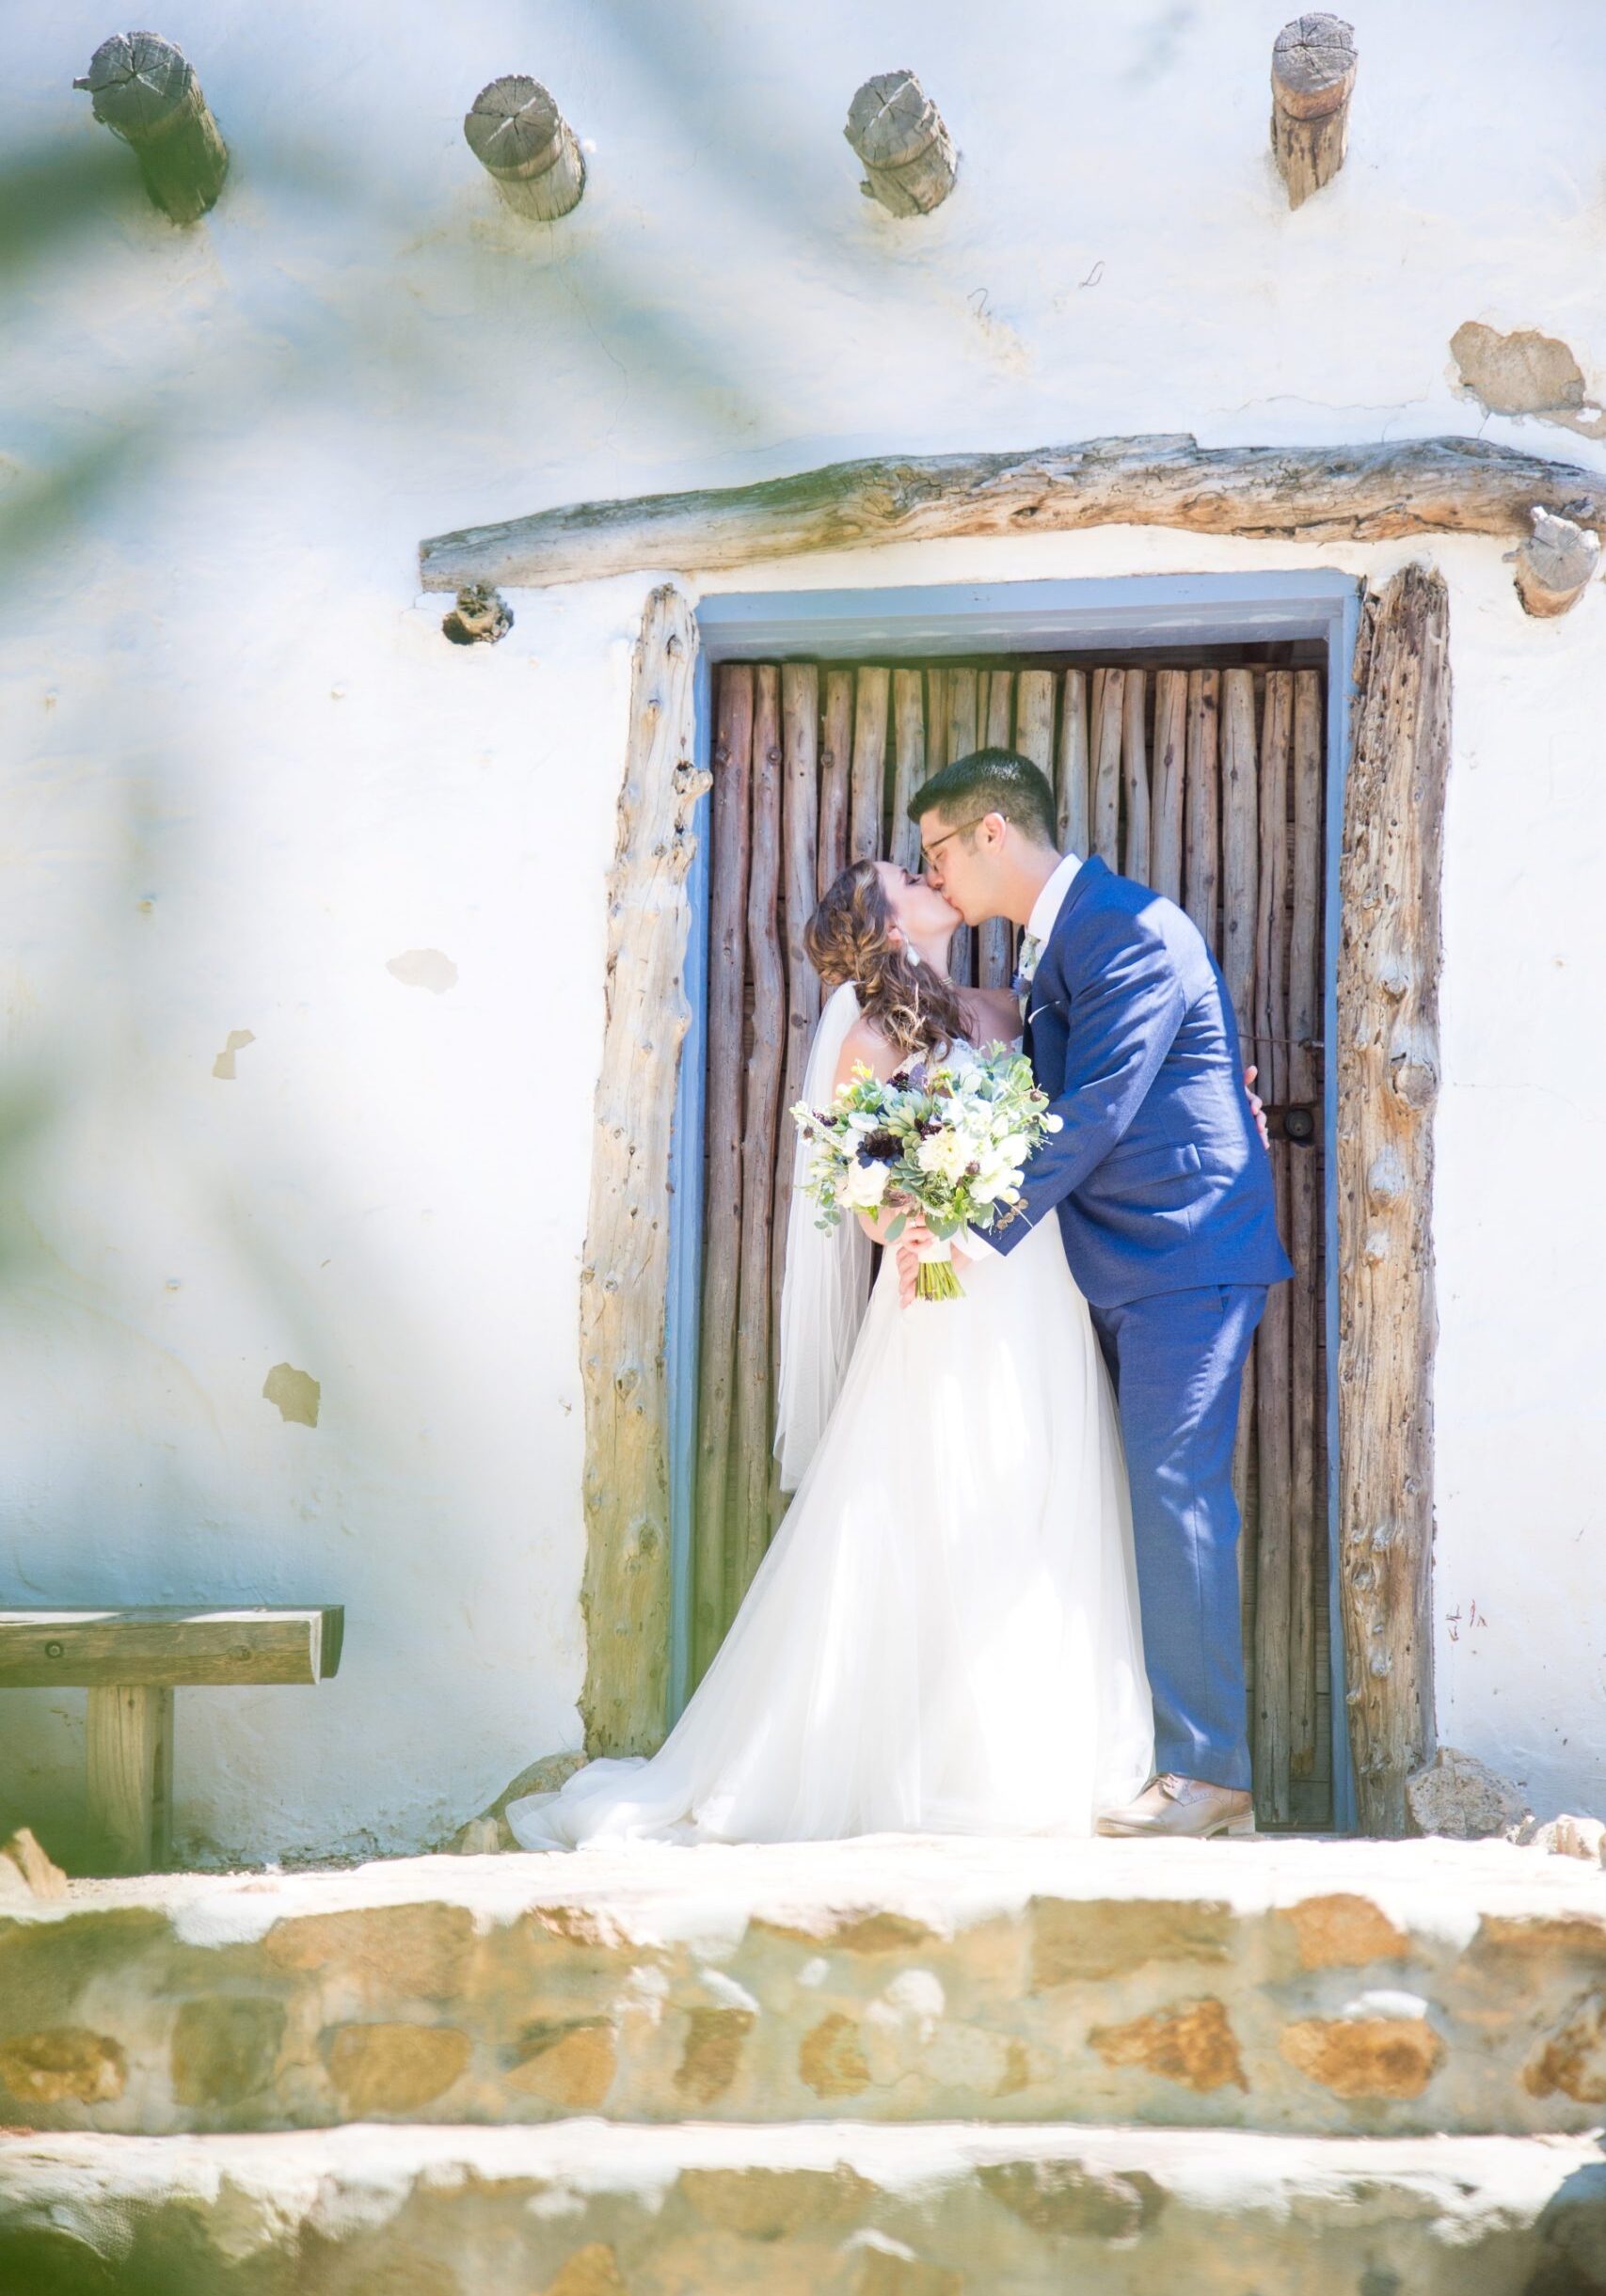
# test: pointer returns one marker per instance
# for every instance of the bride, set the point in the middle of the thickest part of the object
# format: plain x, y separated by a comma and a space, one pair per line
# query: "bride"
943, 1636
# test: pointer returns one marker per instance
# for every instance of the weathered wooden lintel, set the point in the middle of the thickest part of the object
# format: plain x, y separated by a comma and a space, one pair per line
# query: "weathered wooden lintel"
1367, 493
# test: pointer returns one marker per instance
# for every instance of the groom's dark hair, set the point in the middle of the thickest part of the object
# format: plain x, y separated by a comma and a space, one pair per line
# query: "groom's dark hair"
991, 781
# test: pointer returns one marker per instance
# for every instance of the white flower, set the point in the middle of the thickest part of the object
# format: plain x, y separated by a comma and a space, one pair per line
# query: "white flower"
946, 1155
863, 1186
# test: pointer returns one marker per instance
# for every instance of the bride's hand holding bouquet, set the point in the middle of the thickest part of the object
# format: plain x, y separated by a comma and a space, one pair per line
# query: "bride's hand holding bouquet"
943, 1148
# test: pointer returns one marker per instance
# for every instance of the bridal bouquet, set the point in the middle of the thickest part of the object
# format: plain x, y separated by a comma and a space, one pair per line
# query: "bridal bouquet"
950, 1142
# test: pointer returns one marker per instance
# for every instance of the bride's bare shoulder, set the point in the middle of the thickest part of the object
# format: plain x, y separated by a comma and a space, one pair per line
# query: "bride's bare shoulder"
864, 1042
996, 1013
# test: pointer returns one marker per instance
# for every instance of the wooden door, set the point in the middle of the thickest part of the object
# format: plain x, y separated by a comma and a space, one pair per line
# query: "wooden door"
1203, 777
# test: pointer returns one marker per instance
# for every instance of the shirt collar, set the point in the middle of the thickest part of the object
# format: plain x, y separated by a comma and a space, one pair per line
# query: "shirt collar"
1046, 908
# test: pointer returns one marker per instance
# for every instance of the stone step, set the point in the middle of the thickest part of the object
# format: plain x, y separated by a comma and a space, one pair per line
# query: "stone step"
1328, 1987
592, 2208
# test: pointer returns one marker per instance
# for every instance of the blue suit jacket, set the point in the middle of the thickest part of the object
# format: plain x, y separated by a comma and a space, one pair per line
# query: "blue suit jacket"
1158, 1174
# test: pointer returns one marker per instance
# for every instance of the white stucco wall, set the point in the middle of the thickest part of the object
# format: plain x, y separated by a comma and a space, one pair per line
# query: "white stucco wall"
243, 771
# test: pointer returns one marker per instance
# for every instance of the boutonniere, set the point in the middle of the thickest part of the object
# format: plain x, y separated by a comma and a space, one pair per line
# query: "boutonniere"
1031, 949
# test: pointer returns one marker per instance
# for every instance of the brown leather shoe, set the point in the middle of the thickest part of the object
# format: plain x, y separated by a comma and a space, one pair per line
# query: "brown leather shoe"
1187, 1807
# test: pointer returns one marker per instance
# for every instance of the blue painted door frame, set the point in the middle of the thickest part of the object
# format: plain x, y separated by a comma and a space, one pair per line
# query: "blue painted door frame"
923, 623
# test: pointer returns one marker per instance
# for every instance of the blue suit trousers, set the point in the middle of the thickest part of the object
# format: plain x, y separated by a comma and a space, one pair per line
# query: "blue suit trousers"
1177, 1360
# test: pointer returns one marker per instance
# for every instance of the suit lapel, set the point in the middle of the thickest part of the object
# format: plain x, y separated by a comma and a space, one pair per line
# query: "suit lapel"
1084, 882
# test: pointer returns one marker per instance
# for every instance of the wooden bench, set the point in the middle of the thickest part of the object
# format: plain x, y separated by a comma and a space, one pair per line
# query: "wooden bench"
130, 1662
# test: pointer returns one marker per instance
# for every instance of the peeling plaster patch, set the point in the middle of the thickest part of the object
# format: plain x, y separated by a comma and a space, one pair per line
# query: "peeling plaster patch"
296, 1393
1526, 373
224, 1065
424, 969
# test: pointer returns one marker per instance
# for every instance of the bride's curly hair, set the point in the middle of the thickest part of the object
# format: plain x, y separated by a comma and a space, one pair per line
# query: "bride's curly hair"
850, 938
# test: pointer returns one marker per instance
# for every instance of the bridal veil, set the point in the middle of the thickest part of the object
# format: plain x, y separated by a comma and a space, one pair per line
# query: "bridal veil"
825, 1286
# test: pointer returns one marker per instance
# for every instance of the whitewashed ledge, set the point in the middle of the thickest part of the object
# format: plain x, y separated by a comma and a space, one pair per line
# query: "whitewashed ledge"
589, 2209
1322, 1987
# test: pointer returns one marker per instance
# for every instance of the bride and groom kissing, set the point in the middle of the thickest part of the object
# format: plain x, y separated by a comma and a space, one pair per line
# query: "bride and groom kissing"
1003, 1598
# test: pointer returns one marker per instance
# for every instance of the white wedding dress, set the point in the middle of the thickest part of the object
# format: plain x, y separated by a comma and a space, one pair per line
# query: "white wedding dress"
943, 1636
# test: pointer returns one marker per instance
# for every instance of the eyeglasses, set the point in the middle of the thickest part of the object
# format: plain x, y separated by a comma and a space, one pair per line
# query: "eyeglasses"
930, 852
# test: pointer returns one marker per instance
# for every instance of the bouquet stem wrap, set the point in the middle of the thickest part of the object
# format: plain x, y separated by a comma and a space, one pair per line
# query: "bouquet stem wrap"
938, 1278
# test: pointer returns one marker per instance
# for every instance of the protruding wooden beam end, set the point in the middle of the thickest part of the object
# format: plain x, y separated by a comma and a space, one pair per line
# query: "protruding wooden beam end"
481, 617
527, 148
907, 153
1312, 77
145, 91
1555, 566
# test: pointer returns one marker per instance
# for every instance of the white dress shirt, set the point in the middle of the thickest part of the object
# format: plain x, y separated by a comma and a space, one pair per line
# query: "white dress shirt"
1051, 900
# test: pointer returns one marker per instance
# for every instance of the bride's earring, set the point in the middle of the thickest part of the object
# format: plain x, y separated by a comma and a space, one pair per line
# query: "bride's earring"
912, 954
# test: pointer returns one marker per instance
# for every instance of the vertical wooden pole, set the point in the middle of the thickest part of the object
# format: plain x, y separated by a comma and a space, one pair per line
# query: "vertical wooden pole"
1034, 738
1244, 1491
869, 765
1259, 1499
1171, 755
835, 758
1110, 688
1034, 718
1073, 780
1240, 845
1202, 821
1267, 1049
1034, 735
129, 1746
936, 719
800, 870
936, 758
722, 1220
1299, 1077
1274, 1576
1135, 776
995, 941
960, 742
751, 1479
909, 764
1253, 893
961, 713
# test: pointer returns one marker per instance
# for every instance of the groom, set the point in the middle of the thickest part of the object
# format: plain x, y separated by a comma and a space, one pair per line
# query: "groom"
1163, 1197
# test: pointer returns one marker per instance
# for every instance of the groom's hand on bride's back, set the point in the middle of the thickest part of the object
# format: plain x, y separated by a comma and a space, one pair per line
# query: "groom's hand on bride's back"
1258, 1105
